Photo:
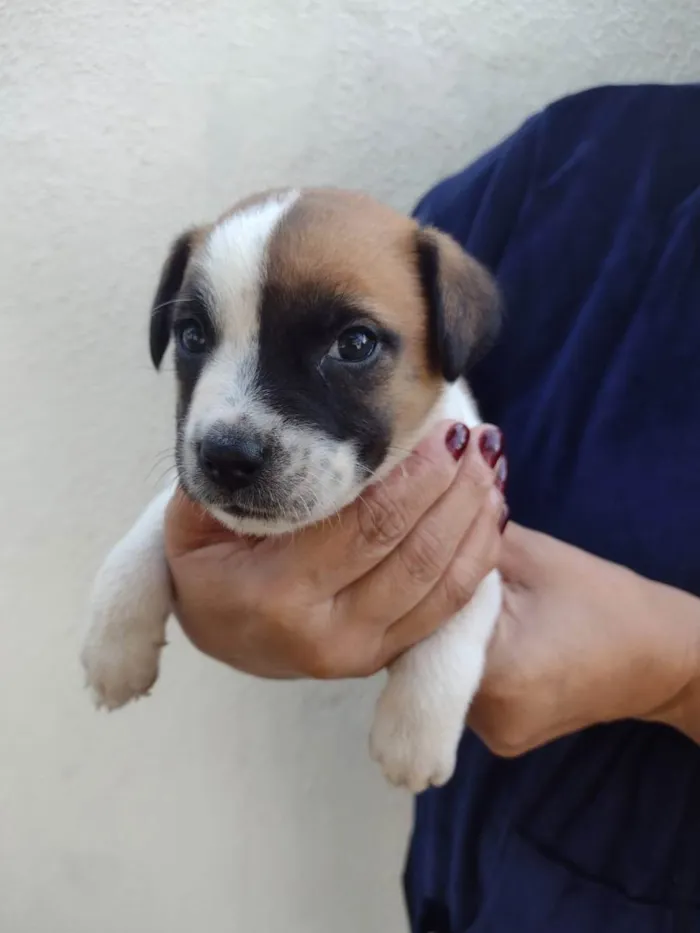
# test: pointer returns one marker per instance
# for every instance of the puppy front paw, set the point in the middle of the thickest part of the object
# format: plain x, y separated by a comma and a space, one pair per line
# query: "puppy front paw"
415, 737
120, 665
130, 604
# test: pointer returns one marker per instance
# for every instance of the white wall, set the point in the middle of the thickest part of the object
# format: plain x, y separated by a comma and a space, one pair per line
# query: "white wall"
221, 804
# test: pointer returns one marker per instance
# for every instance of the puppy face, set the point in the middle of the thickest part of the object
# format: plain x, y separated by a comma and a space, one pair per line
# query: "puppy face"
314, 333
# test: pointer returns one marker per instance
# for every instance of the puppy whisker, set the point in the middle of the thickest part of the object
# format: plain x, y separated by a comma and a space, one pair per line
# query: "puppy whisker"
166, 474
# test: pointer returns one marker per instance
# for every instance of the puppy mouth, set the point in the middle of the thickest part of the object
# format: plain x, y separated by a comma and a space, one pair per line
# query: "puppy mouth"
292, 513
247, 505
244, 511
266, 520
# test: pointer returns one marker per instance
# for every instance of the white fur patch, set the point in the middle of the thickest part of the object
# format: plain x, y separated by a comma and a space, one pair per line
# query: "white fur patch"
130, 605
421, 713
233, 265
233, 262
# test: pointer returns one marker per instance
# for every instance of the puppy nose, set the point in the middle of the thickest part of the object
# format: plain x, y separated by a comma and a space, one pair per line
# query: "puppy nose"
232, 460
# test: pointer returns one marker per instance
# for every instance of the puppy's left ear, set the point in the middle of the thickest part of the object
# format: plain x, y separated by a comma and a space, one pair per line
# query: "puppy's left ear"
171, 277
464, 304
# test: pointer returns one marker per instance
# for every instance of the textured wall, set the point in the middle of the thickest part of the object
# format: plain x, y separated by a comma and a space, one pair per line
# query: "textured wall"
221, 803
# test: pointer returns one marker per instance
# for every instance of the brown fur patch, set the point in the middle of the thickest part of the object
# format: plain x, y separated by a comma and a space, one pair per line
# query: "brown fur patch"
347, 243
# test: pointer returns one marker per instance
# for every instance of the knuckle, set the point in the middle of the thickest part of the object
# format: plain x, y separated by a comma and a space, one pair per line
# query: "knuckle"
423, 556
343, 656
509, 743
364, 657
475, 475
382, 521
498, 746
322, 663
195, 631
467, 571
328, 655
461, 582
425, 457
372, 664
504, 729
437, 470
495, 502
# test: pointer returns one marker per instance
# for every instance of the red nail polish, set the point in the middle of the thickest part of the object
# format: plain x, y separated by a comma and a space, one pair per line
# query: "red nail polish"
505, 515
491, 445
457, 439
501, 474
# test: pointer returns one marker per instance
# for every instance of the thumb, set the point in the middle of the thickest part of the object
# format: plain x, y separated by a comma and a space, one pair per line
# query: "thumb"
522, 556
189, 527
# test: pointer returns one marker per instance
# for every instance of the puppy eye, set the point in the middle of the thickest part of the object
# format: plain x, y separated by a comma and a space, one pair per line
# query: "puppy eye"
355, 345
191, 337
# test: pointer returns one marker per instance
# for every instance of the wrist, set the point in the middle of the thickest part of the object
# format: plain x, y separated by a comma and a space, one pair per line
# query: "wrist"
679, 615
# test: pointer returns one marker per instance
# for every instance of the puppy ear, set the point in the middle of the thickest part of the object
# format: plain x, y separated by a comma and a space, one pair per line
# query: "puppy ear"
169, 285
464, 304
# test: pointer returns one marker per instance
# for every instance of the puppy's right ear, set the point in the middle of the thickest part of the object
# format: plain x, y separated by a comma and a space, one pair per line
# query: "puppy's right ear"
169, 285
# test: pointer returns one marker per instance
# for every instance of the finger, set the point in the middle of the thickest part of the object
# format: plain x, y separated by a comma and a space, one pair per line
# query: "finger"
414, 568
189, 527
341, 551
475, 557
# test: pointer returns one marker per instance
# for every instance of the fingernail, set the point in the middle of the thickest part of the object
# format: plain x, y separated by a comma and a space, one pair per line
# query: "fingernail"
501, 474
491, 445
457, 439
505, 515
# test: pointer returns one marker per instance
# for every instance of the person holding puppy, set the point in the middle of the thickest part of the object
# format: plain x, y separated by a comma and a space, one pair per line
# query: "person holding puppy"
574, 807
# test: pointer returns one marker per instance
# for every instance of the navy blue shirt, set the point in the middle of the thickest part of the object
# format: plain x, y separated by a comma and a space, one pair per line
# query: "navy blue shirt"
590, 218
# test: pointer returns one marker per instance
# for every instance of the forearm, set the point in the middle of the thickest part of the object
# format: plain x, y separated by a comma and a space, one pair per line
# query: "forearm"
583, 641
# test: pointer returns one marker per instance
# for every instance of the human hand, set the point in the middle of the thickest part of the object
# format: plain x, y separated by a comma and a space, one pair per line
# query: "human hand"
346, 597
582, 641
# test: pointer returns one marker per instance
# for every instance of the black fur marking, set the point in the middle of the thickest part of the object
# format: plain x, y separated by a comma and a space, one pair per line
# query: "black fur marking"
300, 381
168, 287
439, 353
192, 304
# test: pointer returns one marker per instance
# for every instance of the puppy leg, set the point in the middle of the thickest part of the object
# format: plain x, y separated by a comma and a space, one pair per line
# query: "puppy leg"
421, 713
130, 605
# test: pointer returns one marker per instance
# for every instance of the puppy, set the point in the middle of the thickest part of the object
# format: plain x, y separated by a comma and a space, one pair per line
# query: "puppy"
318, 335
